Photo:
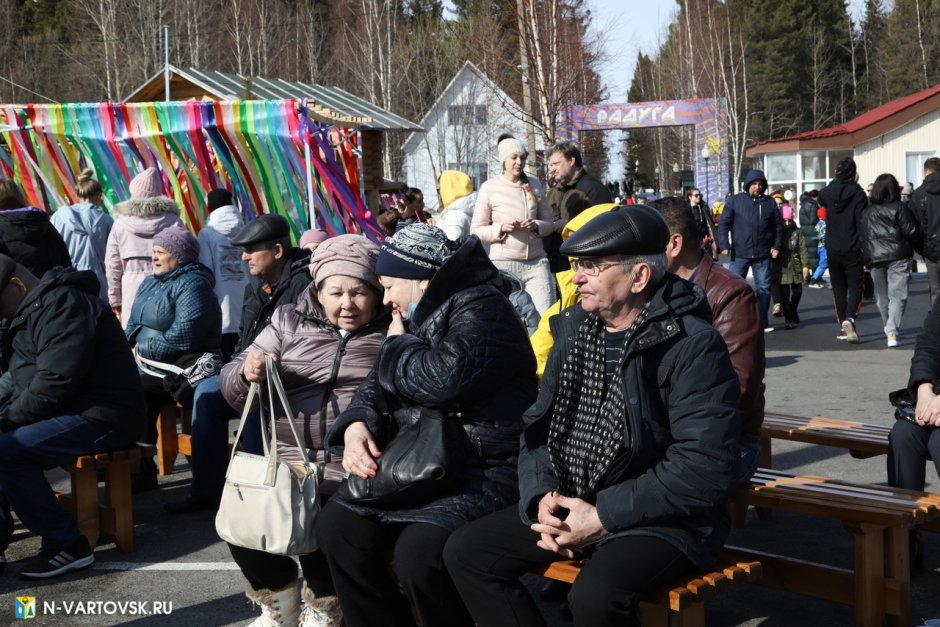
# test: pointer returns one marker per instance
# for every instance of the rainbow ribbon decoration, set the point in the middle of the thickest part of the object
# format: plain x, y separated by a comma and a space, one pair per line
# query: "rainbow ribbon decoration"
253, 148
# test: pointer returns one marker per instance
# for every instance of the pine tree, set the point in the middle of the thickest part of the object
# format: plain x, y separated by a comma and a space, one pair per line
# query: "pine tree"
872, 81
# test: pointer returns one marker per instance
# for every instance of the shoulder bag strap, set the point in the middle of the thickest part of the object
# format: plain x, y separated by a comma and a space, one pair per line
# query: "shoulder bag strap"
253, 390
274, 381
153, 367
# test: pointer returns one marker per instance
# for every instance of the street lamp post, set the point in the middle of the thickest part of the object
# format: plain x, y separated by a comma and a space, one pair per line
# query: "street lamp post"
659, 180
675, 170
706, 154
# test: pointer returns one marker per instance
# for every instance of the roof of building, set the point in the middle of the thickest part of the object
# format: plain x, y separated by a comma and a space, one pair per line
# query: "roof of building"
868, 125
330, 104
467, 67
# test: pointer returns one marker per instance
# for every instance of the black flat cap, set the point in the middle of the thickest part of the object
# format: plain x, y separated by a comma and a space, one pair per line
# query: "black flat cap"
624, 230
264, 228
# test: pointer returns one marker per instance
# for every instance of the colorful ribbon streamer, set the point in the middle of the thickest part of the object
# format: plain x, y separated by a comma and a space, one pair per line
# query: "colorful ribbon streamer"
253, 148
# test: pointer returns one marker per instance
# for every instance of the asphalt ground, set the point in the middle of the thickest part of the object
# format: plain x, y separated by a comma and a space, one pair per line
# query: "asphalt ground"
180, 562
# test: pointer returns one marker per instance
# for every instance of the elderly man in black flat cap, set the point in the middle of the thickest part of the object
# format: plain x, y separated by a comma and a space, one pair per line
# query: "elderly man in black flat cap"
279, 273
628, 454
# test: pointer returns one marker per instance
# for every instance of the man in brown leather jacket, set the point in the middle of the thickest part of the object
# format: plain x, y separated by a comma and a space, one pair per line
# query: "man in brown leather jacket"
735, 315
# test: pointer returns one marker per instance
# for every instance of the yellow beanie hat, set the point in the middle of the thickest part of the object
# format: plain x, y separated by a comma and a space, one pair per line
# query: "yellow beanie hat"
454, 185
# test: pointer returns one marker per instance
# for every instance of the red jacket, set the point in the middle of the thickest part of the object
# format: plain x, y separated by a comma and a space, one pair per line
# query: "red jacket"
736, 316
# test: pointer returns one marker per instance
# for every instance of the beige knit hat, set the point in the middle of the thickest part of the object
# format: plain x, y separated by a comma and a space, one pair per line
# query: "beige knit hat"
345, 255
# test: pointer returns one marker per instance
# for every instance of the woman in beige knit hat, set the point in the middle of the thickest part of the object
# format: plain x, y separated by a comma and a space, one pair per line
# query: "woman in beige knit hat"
324, 346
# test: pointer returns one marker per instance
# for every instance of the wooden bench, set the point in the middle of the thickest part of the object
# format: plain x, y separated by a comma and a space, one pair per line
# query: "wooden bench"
169, 442
861, 439
115, 514
880, 519
680, 604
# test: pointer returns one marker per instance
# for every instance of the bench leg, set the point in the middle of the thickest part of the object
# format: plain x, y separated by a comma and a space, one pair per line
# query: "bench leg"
869, 574
84, 499
167, 444
738, 514
118, 511
652, 615
766, 460
898, 573
693, 616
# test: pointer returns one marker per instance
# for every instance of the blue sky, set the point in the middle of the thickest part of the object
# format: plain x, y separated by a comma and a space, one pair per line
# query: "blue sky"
633, 26
629, 27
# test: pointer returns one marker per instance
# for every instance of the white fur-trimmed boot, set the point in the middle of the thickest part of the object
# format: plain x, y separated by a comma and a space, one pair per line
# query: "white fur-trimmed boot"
279, 608
319, 612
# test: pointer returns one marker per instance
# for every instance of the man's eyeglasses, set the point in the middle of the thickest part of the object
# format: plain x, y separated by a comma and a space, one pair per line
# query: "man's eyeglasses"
695, 195
592, 268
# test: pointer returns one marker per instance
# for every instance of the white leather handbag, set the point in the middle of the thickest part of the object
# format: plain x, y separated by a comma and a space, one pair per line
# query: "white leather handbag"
269, 504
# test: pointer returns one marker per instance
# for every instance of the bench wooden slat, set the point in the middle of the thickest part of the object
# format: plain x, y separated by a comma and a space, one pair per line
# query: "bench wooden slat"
863, 440
923, 500
919, 508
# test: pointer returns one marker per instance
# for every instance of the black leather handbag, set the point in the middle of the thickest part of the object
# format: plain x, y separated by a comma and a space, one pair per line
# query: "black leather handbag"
905, 402
418, 464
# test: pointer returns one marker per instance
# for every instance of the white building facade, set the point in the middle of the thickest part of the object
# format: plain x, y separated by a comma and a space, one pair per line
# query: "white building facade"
461, 129
895, 138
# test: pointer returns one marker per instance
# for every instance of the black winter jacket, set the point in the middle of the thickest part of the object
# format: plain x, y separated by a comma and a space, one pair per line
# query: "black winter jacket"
925, 364
68, 355
675, 475
887, 233
754, 224
467, 352
844, 202
258, 306
32, 240
925, 203
567, 201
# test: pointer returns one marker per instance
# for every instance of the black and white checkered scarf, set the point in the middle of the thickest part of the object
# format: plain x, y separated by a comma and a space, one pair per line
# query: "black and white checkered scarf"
586, 430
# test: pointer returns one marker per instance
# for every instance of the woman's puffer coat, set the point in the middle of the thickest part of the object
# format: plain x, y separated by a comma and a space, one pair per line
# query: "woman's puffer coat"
320, 370
467, 352
130, 246
176, 313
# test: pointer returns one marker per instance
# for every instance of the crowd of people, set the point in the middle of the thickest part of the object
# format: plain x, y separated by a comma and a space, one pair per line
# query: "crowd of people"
600, 373
864, 242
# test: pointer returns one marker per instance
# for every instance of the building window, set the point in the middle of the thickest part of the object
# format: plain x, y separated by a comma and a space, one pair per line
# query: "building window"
914, 166
781, 167
476, 172
465, 115
814, 165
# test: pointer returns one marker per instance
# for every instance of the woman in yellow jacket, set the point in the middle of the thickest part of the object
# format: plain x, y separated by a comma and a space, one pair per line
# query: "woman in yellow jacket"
542, 340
